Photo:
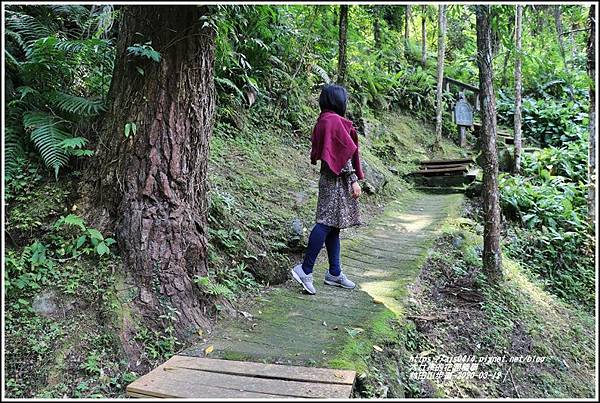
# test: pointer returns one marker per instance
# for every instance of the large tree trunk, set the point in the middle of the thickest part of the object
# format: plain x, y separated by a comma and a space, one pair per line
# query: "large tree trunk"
343, 33
406, 27
440, 72
561, 46
492, 259
424, 36
518, 88
591, 64
152, 181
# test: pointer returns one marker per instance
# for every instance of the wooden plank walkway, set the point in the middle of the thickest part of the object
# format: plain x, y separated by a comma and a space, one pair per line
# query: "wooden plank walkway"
196, 377
282, 349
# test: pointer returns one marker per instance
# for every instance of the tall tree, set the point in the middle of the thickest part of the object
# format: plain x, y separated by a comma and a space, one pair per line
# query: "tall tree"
407, 11
518, 87
591, 65
440, 72
150, 170
343, 41
424, 35
561, 45
492, 259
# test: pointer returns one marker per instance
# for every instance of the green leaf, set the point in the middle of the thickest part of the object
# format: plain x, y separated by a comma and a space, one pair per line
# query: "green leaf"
102, 248
95, 234
71, 219
73, 142
130, 128
47, 136
80, 241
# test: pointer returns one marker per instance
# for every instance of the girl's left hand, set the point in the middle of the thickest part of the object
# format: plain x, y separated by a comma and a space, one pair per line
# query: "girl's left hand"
356, 190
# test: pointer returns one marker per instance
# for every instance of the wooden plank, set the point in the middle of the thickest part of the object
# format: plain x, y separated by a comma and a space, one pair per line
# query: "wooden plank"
272, 371
456, 161
188, 383
440, 171
461, 84
432, 166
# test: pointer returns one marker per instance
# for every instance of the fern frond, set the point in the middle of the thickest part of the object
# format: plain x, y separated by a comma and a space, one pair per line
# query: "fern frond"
78, 105
27, 27
47, 135
226, 83
13, 149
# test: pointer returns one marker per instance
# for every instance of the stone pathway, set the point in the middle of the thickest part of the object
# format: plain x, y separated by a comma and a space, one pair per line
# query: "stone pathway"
290, 327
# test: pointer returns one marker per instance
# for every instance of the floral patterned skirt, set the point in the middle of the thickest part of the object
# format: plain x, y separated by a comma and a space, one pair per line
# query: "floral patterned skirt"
335, 206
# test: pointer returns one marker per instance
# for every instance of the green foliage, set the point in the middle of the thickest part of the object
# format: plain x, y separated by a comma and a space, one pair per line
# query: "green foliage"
554, 237
546, 121
41, 262
144, 50
57, 76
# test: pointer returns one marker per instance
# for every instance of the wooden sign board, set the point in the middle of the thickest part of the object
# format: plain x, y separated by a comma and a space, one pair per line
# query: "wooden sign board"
463, 113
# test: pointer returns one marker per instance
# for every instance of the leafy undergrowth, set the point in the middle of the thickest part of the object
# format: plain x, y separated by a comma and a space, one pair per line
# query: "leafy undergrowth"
456, 313
60, 305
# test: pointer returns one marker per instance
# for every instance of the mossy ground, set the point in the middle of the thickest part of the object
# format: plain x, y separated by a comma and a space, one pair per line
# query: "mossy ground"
338, 328
512, 319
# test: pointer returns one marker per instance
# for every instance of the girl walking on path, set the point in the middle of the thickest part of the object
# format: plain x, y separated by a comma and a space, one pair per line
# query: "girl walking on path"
335, 143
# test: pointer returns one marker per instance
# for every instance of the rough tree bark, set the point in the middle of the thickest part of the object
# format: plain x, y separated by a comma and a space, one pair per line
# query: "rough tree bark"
343, 33
518, 88
440, 73
406, 27
153, 182
492, 259
424, 35
591, 65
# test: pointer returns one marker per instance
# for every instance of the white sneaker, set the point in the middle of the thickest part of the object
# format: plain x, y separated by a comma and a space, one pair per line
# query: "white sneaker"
306, 280
339, 281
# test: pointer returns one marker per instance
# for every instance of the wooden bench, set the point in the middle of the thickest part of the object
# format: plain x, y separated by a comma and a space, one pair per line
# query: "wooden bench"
197, 377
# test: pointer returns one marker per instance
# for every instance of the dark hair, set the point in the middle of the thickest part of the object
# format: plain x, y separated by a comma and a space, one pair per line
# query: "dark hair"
333, 98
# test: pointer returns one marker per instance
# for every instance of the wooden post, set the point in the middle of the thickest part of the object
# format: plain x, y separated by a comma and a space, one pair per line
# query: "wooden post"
463, 136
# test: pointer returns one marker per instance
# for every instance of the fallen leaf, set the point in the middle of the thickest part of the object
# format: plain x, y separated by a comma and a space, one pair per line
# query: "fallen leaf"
323, 352
200, 332
354, 331
377, 301
377, 348
324, 323
168, 368
209, 349
338, 375
246, 314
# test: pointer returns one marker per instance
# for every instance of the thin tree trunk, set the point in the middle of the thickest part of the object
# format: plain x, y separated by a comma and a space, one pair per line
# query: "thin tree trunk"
406, 27
440, 72
377, 32
152, 182
518, 88
591, 65
505, 69
561, 46
343, 32
424, 36
492, 259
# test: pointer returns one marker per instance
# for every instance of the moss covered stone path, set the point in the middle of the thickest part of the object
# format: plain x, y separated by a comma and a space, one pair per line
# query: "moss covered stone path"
336, 327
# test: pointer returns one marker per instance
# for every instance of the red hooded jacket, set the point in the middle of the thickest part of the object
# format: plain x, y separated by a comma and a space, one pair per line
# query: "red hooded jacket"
334, 140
